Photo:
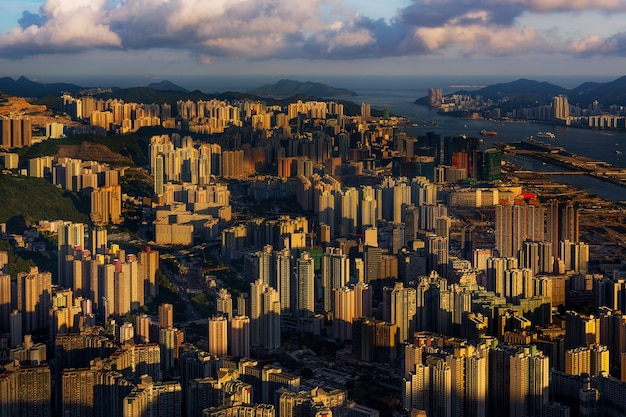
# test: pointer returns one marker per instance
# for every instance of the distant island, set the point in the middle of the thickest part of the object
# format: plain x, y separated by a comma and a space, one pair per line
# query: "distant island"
287, 88
528, 92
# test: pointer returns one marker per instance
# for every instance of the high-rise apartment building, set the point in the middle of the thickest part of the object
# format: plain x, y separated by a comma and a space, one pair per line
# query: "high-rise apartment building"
218, 336
561, 109
496, 268
26, 391
106, 205
590, 360
437, 255
265, 313
5, 301
562, 223
284, 276
71, 235
399, 308
149, 262
335, 274
15, 132
166, 315
224, 304
529, 383
34, 295
435, 97
344, 312
240, 337
305, 279
515, 224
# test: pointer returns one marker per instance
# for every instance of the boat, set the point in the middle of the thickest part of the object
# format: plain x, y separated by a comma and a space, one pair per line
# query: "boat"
485, 132
546, 135
618, 152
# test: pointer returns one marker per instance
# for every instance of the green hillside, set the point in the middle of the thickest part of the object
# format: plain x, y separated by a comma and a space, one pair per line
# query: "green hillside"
26, 200
287, 88
121, 149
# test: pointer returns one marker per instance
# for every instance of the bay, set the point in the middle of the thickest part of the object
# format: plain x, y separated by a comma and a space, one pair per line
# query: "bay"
398, 93
604, 189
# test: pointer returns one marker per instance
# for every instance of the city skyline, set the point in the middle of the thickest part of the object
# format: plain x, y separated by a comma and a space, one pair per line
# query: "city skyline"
58, 39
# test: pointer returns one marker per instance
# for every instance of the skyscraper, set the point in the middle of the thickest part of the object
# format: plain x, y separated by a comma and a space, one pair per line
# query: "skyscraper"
515, 224
224, 303
305, 279
284, 277
529, 383
5, 301
240, 337
218, 336
435, 97
26, 391
270, 337
560, 105
399, 305
71, 235
263, 266
416, 388
496, 268
34, 295
335, 274
363, 300
442, 389
562, 223
437, 252
265, 312
256, 311
343, 312
166, 315
167, 343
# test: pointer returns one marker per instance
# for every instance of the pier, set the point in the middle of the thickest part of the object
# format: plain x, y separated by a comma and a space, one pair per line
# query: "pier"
571, 163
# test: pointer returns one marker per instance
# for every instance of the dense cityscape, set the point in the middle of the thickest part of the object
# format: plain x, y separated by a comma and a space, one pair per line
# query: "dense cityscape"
231, 257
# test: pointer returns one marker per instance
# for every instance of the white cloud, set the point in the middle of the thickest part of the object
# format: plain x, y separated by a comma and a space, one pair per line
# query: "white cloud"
67, 26
480, 39
258, 29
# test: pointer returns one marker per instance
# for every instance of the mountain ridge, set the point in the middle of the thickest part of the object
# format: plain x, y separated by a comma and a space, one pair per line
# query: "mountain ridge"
166, 85
287, 88
607, 93
23, 87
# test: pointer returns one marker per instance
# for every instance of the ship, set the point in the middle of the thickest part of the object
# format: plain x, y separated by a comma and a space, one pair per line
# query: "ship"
488, 133
546, 135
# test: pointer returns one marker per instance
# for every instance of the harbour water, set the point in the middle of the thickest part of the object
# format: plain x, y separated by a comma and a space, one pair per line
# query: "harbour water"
596, 144
591, 184
398, 93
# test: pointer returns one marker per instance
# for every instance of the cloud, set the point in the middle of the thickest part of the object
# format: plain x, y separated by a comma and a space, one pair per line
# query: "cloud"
479, 39
61, 26
569, 5
309, 29
595, 45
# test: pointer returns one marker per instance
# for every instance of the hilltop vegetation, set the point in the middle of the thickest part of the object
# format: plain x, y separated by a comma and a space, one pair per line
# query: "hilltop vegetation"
287, 88
26, 200
115, 150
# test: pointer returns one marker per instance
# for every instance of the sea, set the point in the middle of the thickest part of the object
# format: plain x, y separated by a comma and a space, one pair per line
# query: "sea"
398, 94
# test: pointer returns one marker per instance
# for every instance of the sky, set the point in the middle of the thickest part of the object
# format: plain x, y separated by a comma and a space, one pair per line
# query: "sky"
59, 40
